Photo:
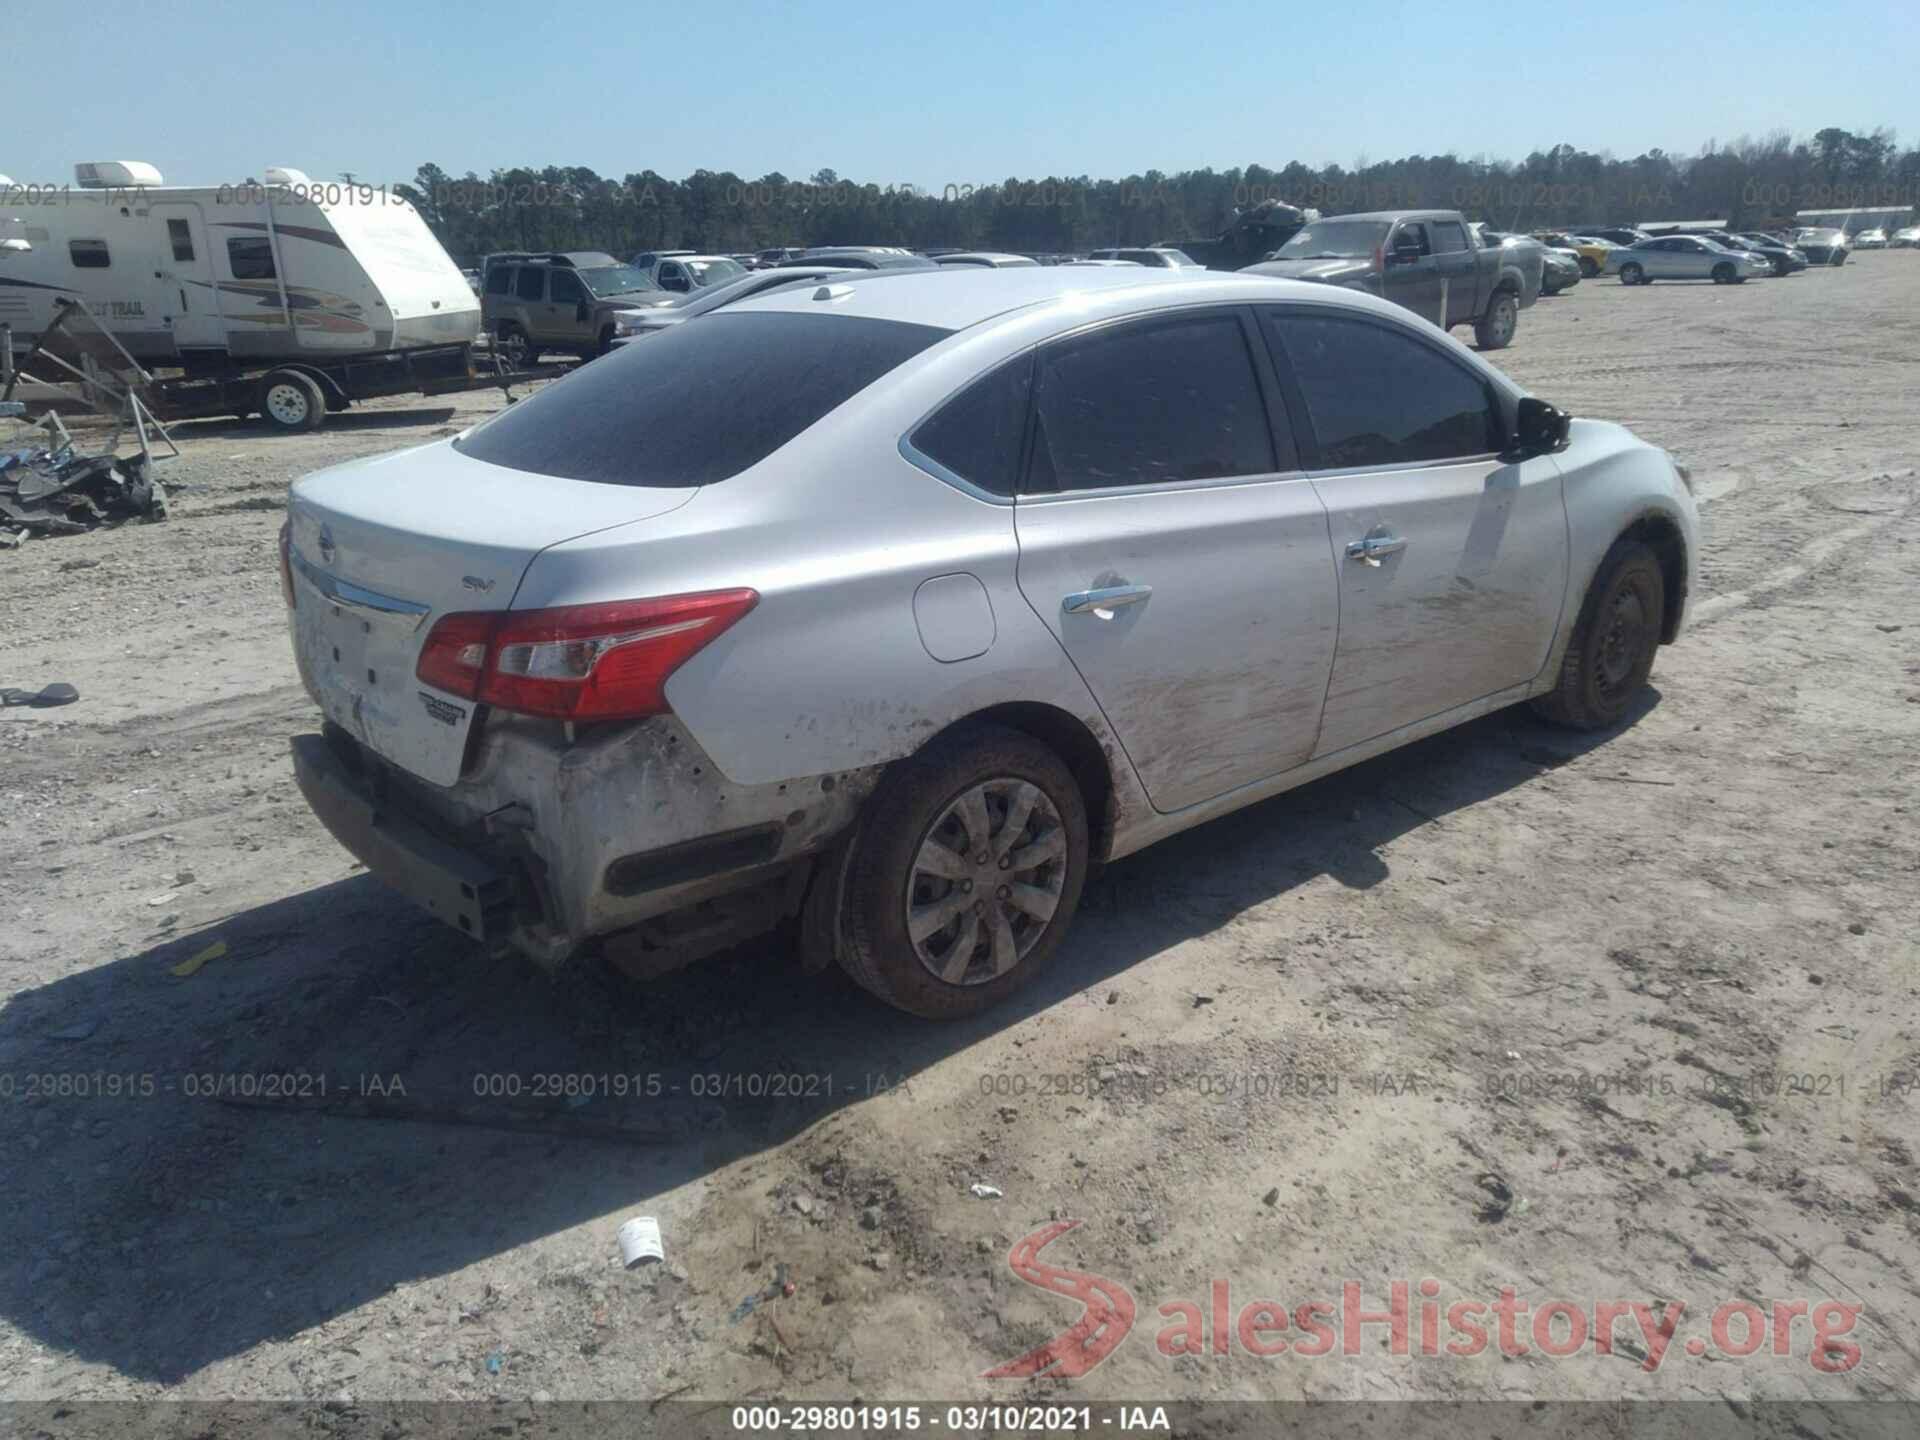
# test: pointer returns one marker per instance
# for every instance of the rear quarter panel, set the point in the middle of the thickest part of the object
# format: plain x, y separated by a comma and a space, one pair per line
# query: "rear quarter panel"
837, 531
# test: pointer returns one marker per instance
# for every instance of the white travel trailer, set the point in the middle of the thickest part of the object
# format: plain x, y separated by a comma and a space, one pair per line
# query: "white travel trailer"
323, 277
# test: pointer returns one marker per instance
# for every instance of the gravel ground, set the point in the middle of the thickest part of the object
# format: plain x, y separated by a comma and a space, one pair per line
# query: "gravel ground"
1512, 1007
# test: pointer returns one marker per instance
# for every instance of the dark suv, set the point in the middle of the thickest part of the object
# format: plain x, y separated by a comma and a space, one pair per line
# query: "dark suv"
560, 300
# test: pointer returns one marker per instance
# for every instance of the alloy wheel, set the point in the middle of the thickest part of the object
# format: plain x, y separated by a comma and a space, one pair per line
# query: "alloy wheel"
986, 881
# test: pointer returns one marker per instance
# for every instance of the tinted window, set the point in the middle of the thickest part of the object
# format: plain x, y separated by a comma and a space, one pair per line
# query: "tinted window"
251, 259
1378, 397
88, 254
1170, 400
500, 280
977, 434
567, 289
531, 283
696, 403
1412, 236
180, 236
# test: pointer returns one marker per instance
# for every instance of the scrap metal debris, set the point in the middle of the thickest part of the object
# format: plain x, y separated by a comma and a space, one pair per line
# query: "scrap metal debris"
48, 488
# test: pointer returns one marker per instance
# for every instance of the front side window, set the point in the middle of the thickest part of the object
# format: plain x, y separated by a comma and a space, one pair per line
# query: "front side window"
531, 283
699, 403
1377, 397
978, 434
251, 257
1150, 403
567, 289
89, 254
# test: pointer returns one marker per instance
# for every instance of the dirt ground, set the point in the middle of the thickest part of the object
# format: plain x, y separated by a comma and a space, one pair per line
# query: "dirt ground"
1634, 1015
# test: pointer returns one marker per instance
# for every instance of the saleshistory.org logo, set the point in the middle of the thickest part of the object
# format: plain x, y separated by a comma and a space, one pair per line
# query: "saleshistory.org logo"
1644, 1330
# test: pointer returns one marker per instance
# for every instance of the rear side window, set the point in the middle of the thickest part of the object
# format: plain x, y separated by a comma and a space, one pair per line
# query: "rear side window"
1378, 397
698, 403
250, 258
1448, 237
977, 434
1147, 404
531, 284
500, 280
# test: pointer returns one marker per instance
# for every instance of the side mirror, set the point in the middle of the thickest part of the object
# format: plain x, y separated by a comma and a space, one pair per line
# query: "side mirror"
1539, 428
1404, 255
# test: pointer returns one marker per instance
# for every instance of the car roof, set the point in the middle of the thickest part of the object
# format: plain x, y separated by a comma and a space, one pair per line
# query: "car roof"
989, 255
954, 298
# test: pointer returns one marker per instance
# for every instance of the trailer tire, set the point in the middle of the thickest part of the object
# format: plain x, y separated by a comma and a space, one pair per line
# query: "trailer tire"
292, 401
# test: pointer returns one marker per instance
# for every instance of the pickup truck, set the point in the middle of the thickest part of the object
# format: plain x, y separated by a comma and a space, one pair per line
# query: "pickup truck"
1426, 260
1255, 233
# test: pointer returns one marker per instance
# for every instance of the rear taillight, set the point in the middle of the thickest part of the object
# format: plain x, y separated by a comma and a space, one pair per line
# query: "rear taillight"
577, 662
286, 562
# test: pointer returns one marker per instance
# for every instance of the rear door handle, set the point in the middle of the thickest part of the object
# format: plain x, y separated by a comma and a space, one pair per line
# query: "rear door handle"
1109, 599
1369, 550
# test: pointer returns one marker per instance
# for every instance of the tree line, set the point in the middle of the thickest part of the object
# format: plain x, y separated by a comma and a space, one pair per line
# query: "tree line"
1751, 183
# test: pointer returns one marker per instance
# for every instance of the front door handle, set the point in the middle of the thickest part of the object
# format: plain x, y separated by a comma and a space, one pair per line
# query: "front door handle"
1103, 602
1369, 550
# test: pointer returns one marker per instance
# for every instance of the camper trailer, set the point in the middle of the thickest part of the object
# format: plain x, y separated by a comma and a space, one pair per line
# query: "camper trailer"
343, 283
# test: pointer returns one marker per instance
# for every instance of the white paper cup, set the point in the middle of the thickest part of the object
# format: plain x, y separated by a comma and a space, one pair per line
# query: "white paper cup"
640, 1241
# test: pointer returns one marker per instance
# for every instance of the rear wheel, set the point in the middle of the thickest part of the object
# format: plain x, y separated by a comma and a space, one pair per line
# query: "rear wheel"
1494, 330
292, 401
513, 345
1611, 652
1631, 274
1587, 267
968, 870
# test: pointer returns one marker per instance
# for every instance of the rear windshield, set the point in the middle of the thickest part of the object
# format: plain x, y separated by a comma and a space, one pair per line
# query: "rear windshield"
1335, 240
699, 402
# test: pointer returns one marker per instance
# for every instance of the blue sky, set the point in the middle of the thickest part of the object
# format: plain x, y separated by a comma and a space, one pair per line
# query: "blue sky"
214, 91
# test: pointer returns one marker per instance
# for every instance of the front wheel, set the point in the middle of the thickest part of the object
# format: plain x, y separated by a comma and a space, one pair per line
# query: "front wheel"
1632, 275
1723, 274
1611, 651
966, 873
1494, 330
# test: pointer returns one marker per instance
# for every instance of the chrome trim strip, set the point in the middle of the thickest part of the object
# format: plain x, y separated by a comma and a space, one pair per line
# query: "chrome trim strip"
356, 597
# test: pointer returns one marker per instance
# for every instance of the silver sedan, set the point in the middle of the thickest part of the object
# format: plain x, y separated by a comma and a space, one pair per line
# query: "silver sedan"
1685, 257
897, 607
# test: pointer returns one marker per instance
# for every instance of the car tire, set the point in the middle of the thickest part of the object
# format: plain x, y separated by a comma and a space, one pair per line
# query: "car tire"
1723, 274
1631, 274
1494, 330
292, 401
977, 778
1588, 269
1612, 647
606, 340
515, 346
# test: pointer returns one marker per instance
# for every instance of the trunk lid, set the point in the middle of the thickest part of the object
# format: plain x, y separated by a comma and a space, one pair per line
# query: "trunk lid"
382, 548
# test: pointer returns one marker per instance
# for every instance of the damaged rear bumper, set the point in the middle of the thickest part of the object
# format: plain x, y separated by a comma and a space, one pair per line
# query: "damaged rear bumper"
459, 887
549, 840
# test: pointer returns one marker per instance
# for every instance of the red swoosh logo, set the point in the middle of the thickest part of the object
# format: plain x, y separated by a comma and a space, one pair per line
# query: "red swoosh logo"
1090, 1339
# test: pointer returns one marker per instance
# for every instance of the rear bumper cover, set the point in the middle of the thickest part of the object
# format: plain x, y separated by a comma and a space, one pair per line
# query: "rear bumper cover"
548, 841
